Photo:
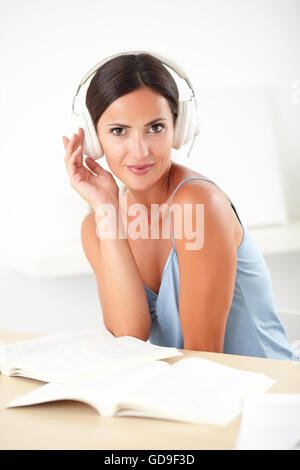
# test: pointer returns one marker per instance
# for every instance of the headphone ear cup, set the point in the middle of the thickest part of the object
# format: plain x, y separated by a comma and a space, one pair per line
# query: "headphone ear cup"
190, 122
187, 124
178, 137
197, 124
184, 129
91, 144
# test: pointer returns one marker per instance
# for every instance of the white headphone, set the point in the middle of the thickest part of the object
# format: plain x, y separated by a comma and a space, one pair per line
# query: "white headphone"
187, 125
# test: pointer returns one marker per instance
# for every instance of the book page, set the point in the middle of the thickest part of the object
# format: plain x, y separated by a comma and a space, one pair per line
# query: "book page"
270, 422
195, 390
70, 356
102, 394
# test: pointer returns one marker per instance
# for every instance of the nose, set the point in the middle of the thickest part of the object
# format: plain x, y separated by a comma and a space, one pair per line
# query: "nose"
138, 147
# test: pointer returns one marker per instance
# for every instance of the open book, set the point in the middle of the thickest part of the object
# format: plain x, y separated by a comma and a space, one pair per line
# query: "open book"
76, 355
193, 390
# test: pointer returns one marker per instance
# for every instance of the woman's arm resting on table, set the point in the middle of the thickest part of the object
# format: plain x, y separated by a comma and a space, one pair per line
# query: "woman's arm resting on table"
121, 291
207, 274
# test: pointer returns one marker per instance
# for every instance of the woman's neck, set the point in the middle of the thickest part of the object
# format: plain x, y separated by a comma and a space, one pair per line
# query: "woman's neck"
157, 194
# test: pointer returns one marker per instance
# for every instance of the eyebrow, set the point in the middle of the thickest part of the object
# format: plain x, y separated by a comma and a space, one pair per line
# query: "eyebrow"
125, 125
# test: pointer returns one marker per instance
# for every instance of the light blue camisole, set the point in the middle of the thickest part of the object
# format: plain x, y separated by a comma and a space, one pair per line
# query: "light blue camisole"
252, 328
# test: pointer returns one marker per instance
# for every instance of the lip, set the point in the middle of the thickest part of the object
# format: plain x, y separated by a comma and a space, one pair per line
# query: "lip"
140, 166
140, 169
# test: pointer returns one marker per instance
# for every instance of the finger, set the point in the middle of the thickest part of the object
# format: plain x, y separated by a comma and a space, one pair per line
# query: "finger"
65, 141
94, 166
70, 147
81, 135
75, 161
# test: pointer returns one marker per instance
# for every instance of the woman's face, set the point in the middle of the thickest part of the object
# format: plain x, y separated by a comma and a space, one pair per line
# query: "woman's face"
137, 129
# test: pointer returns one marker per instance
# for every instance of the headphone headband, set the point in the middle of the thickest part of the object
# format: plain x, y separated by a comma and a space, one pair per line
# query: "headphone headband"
164, 60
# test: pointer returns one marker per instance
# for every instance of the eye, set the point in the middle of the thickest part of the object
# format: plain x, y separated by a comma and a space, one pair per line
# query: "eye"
119, 134
116, 129
155, 125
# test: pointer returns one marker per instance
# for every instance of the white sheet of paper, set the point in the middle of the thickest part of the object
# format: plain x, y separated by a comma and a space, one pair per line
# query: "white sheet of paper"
270, 421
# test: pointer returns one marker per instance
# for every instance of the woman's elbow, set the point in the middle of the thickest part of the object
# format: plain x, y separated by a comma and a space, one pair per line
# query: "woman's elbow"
216, 346
141, 333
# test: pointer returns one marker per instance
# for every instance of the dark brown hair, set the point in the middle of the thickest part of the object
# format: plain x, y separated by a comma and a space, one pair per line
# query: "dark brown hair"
127, 73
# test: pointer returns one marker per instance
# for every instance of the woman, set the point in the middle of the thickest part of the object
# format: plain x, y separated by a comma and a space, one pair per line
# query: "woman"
217, 297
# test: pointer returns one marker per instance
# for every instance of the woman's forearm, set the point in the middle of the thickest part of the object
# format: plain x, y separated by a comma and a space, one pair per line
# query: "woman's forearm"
121, 290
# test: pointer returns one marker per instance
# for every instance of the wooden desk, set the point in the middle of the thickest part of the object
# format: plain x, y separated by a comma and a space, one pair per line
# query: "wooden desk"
74, 425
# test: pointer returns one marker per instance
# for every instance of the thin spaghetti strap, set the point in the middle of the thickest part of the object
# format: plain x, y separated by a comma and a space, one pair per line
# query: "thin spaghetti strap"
196, 178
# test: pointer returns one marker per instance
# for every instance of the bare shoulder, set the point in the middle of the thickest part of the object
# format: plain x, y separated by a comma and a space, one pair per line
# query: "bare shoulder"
196, 190
181, 171
217, 208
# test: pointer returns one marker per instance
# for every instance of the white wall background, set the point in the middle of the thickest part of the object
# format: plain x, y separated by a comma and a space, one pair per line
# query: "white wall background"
47, 47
